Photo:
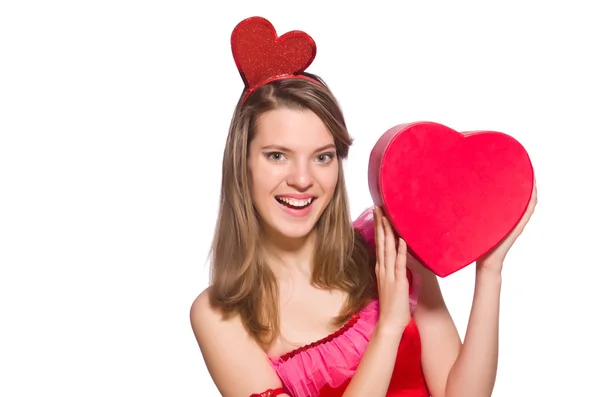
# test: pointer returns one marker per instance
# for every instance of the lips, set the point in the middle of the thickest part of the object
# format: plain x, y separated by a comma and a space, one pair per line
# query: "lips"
295, 202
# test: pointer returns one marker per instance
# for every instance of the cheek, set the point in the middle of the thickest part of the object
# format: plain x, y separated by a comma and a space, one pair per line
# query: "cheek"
266, 179
329, 180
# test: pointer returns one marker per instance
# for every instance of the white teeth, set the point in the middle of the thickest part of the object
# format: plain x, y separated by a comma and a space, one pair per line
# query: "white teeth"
295, 202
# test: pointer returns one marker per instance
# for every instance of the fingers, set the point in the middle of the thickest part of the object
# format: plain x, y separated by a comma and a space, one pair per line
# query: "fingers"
391, 257
530, 209
379, 240
401, 259
390, 246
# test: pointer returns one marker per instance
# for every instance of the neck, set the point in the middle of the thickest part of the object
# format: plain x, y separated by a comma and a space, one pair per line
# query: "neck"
290, 256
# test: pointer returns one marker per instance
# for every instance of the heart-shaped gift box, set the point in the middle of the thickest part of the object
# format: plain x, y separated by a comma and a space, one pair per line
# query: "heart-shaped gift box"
452, 196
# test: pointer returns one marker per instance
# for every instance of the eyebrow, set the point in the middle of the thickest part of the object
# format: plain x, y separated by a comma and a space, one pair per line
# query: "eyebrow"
284, 149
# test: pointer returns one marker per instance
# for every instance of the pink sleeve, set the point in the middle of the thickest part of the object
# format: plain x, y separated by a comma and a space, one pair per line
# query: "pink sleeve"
365, 224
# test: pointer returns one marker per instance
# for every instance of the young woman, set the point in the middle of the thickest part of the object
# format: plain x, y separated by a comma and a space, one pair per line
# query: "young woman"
302, 302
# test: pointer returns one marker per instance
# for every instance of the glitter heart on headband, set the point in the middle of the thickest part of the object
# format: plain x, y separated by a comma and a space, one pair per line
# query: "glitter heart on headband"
261, 56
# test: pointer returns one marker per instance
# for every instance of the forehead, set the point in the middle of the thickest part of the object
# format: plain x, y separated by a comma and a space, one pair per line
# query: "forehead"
296, 129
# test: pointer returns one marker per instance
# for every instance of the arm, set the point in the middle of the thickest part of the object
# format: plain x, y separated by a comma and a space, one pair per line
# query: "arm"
441, 344
373, 375
440, 341
474, 372
452, 369
237, 364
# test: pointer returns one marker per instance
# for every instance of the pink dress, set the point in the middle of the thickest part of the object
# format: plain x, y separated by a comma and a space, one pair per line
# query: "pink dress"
325, 367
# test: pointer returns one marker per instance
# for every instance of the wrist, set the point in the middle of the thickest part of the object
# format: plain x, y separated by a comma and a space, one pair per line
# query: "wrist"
388, 332
488, 273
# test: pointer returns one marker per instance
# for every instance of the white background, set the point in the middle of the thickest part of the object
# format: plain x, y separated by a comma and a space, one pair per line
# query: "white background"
113, 117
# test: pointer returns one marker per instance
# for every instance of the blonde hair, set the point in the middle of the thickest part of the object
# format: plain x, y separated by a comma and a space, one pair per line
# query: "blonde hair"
241, 280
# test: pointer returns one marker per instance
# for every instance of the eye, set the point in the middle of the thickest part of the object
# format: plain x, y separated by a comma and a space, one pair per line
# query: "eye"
325, 158
274, 156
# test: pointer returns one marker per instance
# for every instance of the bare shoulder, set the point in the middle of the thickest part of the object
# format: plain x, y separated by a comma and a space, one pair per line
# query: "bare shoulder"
203, 316
236, 362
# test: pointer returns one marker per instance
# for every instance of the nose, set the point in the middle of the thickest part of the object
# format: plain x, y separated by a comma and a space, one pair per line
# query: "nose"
300, 176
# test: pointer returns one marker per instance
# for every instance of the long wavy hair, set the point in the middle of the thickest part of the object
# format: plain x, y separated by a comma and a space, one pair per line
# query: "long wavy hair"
241, 280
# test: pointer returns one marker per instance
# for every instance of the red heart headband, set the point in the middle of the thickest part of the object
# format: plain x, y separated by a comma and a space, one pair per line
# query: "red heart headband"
262, 57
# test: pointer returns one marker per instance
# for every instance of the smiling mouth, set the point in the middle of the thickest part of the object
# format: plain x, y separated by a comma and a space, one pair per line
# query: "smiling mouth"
296, 204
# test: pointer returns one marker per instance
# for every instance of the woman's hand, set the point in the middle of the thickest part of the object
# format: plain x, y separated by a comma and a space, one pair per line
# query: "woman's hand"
494, 259
390, 268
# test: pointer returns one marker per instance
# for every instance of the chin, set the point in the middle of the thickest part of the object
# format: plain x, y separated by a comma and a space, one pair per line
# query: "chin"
297, 232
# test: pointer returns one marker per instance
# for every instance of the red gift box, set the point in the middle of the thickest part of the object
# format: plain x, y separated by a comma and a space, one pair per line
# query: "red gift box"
452, 196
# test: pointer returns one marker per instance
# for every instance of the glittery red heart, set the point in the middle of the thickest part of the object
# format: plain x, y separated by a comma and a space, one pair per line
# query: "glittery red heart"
260, 55
452, 196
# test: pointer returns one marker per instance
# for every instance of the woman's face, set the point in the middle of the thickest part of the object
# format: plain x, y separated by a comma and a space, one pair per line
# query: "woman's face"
293, 171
